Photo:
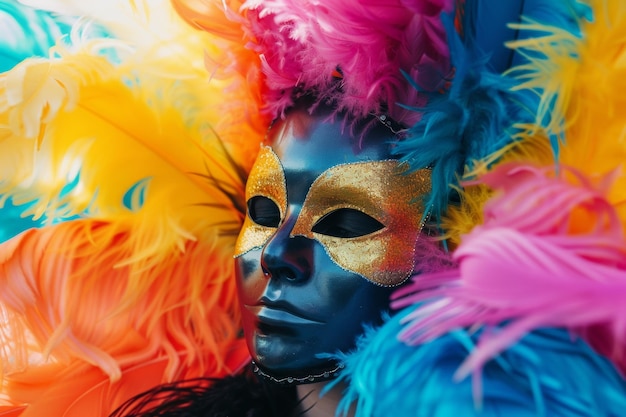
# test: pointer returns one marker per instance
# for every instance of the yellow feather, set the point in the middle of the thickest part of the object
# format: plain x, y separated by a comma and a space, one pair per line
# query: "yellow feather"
461, 219
112, 139
157, 151
582, 80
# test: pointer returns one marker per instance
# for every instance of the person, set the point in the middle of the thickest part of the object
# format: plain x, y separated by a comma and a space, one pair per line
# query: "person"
345, 171
314, 258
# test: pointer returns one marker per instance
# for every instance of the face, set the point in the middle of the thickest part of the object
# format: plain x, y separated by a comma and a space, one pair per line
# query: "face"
330, 231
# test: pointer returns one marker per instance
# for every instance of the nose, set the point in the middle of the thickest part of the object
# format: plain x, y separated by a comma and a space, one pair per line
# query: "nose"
287, 258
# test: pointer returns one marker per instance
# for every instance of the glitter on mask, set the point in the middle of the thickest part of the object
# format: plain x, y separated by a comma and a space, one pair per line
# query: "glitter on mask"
383, 191
267, 179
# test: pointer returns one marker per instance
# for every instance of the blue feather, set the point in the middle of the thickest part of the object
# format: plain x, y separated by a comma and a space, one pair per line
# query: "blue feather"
472, 120
564, 14
478, 114
488, 23
26, 32
546, 374
12, 221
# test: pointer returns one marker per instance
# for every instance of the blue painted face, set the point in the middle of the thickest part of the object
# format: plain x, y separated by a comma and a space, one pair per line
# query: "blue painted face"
308, 275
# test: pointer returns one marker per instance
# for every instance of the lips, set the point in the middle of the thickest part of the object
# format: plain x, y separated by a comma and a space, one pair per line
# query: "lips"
279, 316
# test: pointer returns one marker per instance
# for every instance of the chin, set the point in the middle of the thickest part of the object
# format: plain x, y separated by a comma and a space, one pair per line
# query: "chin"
288, 359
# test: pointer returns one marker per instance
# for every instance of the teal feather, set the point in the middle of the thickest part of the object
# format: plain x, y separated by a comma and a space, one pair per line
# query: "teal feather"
477, 115
26, 32
546, 374
12, 222
470, 121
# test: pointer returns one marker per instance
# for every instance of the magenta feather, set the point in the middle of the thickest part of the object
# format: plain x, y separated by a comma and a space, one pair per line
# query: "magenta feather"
371, 43
551, 252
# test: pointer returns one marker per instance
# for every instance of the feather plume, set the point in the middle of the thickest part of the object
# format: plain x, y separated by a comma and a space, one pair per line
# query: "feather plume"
482, 118
26, 32
236, 396
121, 148
303, 43
577, 75
553, 239
384, 374
153, 37
471, 124
555, 254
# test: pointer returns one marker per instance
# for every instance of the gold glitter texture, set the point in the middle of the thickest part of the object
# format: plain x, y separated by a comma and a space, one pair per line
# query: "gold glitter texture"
266, 179
383, 191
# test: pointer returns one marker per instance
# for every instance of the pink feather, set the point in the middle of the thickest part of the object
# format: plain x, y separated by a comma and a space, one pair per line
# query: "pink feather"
303, 42
550, 253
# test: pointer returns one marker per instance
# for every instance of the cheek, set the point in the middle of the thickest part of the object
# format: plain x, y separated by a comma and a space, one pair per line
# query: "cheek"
362, 301
345, 295
250, 280
337, 291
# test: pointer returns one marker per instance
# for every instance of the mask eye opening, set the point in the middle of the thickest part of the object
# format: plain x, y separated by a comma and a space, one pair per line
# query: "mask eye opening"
347, 223
263, 211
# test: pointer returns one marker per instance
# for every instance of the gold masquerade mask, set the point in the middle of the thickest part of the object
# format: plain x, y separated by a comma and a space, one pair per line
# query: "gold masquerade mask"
377, 194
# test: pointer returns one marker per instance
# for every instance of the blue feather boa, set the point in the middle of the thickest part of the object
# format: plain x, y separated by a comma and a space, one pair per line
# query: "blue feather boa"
546, 374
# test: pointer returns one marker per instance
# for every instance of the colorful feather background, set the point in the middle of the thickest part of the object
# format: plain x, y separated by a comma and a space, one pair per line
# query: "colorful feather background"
552, 240
24, 33
544, 374
302, 43
139, 179
117, 140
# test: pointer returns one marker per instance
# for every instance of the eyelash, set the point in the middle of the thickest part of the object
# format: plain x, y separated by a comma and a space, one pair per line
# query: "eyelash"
342, 223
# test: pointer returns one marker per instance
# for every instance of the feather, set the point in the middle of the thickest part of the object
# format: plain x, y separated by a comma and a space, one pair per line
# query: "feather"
26, 32
302, 43
149, 42
577, 76
80, 312
553, 239
384, 374
120, 149
471, 124
241, 395
76, 99
75, 389
554, 249
482, 117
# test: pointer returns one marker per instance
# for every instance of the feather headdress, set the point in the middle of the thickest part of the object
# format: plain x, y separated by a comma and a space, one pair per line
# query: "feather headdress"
134, 150
553, 237
351, 53
391, 58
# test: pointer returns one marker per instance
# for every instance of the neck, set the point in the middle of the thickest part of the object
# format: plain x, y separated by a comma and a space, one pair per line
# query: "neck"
313, 404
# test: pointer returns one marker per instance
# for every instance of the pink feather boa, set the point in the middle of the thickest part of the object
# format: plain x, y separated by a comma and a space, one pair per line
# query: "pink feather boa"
551, 252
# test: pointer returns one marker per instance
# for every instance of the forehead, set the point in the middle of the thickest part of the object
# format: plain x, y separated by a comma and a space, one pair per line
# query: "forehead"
310, 144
